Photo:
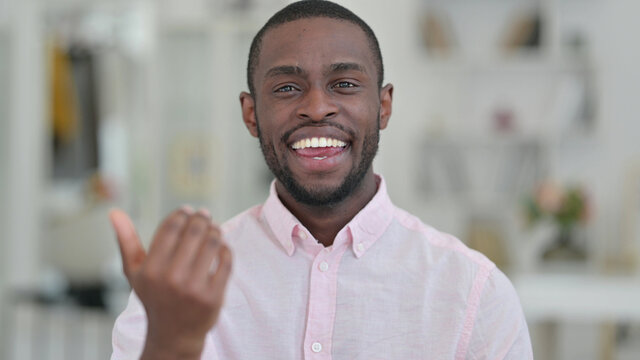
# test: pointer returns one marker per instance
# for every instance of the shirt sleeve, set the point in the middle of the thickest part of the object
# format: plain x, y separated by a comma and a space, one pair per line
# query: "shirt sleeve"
500, 330
129, 331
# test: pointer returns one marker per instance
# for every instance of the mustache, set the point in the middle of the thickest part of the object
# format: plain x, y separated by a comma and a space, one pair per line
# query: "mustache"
322, 123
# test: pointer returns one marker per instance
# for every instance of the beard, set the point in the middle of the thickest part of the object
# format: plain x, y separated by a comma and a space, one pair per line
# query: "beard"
317, 195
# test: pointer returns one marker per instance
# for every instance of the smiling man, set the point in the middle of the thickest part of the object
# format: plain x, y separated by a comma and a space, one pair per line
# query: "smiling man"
327, 267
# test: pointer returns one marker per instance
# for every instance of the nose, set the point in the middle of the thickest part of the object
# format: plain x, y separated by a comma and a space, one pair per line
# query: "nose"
317, 105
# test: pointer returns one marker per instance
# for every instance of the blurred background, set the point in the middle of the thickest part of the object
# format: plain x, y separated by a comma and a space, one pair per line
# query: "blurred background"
515, 128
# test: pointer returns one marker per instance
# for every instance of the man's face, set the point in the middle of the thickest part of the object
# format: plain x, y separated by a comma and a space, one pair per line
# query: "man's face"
317, 108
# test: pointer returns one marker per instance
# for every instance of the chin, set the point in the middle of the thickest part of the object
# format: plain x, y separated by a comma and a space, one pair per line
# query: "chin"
323, 192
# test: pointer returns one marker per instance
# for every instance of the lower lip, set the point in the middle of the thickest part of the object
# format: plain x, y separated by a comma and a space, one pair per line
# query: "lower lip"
322, 163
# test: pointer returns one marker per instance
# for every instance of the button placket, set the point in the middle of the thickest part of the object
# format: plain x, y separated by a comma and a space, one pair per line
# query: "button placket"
322, 302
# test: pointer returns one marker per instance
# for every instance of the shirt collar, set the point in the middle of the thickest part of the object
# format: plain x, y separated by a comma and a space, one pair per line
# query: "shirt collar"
365, 228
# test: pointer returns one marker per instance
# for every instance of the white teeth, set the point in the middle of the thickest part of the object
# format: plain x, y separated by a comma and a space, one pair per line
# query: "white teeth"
319, 157
315, 142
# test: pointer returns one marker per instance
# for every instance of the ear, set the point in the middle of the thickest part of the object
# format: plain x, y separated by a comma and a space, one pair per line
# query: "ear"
386, 96
248, 105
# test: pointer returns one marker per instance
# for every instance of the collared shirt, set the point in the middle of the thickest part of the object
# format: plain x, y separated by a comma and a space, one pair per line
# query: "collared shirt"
390, 287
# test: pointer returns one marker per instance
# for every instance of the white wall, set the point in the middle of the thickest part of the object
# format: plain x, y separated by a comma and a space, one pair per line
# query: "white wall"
25, 142
618, 57
4, 89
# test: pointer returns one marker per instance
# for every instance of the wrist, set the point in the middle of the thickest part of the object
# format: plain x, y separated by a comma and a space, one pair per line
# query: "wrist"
175, 348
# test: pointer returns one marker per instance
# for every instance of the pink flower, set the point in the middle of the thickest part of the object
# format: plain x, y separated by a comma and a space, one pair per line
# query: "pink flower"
549, 197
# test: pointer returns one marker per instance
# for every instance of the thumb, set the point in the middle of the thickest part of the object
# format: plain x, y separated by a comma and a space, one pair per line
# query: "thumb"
131, 249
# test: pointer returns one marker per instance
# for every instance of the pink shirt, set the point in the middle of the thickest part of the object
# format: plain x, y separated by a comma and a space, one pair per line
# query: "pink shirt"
390, 287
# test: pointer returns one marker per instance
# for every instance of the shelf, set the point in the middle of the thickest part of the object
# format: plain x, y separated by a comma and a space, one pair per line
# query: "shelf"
579, 297
508, 64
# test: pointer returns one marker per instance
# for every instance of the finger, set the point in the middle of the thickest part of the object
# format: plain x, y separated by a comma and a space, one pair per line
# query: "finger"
206, 253
131, 249
205, 212
187, 246
167, 235
218, 280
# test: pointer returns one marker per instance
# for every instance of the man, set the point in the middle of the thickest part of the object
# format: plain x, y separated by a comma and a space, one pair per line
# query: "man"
327, 267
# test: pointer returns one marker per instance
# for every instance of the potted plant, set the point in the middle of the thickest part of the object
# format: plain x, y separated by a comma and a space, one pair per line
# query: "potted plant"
567, 207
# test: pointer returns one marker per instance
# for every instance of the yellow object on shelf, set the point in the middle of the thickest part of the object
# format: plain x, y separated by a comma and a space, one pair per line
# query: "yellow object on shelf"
64, 119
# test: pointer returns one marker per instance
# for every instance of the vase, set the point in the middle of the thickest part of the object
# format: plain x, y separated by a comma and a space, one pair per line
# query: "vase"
566, 246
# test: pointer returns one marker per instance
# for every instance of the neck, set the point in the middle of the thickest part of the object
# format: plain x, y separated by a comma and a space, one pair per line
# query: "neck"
324, 222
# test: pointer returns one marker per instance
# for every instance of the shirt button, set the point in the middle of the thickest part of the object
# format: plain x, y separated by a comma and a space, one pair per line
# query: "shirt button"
316, 347
303, 235
323, 266
360, 247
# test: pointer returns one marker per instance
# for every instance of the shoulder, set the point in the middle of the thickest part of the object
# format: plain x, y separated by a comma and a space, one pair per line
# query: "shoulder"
494, 325
497, 327
440, 246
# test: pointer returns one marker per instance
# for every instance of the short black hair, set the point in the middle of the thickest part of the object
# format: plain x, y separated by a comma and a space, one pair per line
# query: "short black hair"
310, 9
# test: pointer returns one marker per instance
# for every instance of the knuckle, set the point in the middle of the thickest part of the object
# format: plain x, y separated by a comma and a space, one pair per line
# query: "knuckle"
209, 245
191, 287
188, 291
183, 211
214, 232
174, 281
149, 277
213, 239
196, 294
174, 224
202, 216
195, 230
197, 225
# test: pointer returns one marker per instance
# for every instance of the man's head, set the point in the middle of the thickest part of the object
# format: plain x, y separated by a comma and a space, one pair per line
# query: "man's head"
316, 101
309, 9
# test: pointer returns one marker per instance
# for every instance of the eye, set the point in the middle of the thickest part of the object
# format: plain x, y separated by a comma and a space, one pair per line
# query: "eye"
284, 89
344, 85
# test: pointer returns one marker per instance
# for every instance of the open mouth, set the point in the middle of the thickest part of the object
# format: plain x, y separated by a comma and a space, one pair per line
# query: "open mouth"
319, 148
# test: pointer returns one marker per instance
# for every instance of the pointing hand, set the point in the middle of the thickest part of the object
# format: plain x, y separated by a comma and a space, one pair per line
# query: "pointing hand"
181, 295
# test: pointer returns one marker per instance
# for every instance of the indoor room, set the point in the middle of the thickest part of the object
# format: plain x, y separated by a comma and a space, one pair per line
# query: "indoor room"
515, 129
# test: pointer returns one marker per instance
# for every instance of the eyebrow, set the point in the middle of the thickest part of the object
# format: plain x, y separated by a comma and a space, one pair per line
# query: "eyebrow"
296, 70
346, 66
284, 70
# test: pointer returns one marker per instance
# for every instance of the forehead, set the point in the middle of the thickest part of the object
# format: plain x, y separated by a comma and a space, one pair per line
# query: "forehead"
314, 43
